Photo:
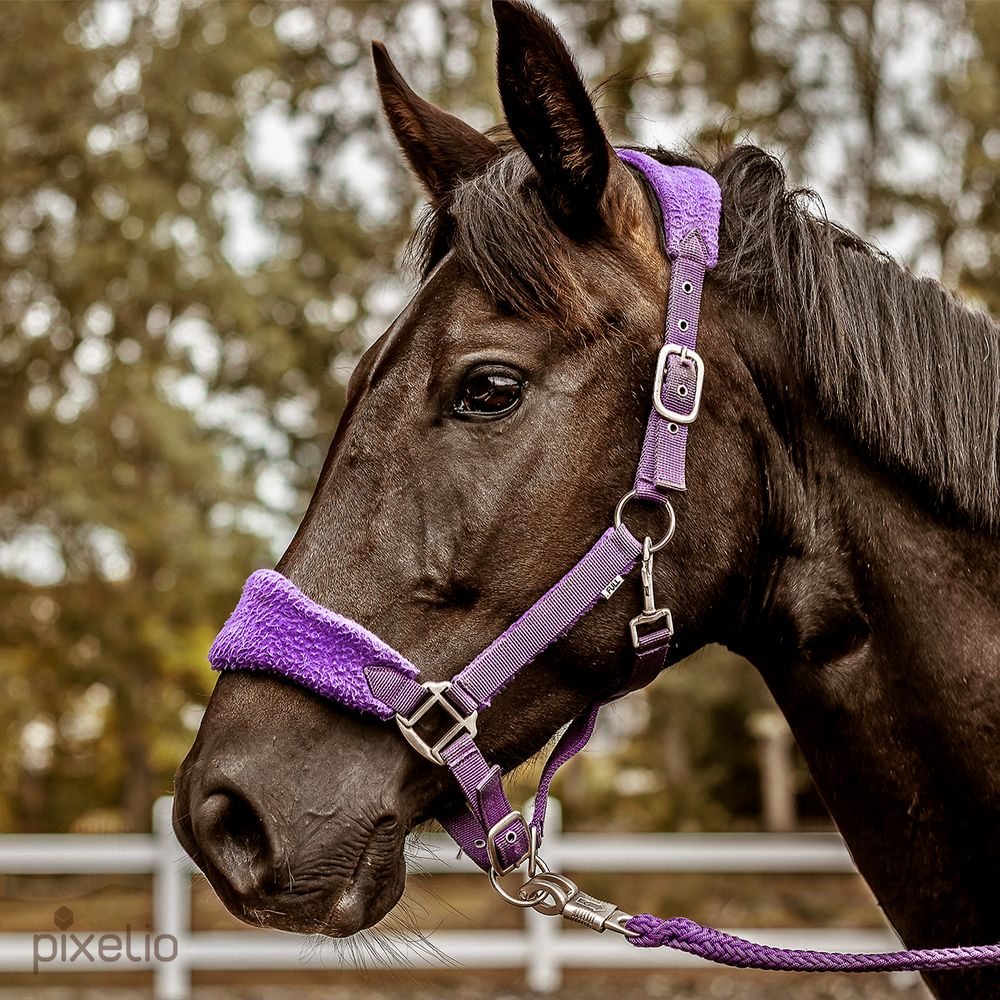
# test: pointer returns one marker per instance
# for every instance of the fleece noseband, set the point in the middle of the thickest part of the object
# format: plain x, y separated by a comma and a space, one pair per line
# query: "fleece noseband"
276, 628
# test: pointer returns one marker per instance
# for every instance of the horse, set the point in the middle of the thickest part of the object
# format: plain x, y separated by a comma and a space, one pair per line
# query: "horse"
839, 527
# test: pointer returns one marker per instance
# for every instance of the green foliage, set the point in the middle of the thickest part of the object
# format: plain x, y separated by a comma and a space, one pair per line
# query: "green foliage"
200, 223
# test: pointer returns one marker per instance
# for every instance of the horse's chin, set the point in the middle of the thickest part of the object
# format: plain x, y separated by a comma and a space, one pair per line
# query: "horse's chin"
338, 909
370, 894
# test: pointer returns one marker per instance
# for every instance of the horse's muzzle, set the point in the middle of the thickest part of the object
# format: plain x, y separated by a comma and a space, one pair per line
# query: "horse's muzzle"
293, 840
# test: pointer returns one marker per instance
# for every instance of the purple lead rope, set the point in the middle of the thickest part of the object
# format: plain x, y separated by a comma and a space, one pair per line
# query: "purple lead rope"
647, 931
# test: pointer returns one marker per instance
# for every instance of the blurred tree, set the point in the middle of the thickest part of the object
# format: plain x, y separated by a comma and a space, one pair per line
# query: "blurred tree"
968, 227
200, 223
165, 398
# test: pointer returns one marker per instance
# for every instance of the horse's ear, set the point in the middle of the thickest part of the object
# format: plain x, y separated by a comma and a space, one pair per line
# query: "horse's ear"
551, 114
441, 149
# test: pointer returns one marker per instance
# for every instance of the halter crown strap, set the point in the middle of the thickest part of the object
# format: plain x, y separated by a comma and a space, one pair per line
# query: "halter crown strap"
277, 628
691, 205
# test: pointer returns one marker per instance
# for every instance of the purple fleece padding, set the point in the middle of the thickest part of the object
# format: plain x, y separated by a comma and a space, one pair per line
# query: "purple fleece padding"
689, 198
275, 627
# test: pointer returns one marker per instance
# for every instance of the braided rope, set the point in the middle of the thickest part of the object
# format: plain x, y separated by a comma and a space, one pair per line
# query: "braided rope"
727, 949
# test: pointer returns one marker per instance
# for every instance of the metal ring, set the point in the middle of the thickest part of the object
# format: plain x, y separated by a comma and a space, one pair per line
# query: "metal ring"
525, 904
672, 527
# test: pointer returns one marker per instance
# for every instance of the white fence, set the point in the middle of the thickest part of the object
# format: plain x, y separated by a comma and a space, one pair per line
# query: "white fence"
542, 948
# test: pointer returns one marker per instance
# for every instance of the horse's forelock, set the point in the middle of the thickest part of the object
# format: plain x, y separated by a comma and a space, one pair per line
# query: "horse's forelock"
505, 239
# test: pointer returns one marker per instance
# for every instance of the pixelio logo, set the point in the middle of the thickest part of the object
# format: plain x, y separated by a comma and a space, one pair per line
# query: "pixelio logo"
69, 948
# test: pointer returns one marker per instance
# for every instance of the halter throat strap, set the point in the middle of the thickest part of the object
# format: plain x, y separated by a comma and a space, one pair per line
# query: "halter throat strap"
277, 628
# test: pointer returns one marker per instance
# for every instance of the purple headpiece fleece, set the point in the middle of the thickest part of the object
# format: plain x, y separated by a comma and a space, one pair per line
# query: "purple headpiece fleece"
690, 202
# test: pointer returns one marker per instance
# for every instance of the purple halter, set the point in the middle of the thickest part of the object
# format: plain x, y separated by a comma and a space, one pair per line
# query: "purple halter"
276, 628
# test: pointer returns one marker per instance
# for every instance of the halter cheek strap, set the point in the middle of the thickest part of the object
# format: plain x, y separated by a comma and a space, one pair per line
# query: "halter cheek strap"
276, 628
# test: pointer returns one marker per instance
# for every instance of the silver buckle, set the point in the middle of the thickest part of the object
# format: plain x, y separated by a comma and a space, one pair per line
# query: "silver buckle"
685, 354
510, 820
463, 723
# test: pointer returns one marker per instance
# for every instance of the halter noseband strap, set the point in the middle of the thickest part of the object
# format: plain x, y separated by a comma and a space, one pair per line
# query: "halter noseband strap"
276, 628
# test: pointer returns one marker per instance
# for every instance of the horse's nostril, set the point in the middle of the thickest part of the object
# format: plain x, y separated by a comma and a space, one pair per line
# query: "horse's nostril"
235, 840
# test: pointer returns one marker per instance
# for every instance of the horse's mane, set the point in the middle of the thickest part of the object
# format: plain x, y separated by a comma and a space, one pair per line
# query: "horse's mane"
908, 371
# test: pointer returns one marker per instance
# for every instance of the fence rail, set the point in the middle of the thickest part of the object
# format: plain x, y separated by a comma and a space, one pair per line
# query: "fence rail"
542, 947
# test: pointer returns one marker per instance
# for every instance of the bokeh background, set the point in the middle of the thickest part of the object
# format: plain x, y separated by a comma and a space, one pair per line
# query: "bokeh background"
202, 227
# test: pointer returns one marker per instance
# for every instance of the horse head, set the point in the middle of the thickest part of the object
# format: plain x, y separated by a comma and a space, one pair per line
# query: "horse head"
486, 439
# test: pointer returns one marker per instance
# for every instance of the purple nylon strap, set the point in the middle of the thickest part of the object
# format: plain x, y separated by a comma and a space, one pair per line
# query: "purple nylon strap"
489, 816
691, 204
614, 555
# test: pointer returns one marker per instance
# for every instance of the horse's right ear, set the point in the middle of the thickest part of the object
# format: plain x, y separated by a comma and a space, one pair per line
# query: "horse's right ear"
441, 149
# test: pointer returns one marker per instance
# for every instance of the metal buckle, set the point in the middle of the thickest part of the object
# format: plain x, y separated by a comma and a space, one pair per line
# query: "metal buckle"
463, 723
510, 820
685, 354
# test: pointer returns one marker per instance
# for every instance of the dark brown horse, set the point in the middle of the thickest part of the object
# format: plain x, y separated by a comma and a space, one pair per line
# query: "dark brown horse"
839, 529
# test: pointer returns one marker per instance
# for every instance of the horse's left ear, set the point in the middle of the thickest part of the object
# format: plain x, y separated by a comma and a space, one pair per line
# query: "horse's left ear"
442, 150
551, 115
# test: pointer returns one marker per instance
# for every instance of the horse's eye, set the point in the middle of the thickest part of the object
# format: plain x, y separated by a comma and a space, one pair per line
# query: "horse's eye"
488, 394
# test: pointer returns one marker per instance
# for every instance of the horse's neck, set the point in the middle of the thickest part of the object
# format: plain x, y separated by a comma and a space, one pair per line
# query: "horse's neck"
880, 639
